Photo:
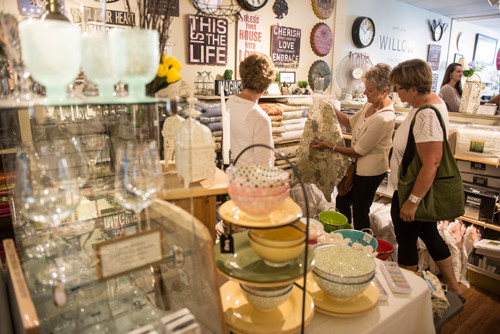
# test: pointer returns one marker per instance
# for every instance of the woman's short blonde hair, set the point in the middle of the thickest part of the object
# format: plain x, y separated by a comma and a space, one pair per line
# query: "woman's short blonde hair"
257, 72
413, 73
379, 76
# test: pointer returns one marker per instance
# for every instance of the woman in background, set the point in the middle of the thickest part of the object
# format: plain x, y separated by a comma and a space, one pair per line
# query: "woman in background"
372, 129
412, 81
249, 124
451, 88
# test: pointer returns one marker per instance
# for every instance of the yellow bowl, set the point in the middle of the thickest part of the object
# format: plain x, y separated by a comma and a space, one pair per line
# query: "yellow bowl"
276, 256
287, 236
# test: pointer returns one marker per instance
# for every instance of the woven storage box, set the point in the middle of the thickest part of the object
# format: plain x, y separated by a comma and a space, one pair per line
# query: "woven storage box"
483, 279
471, 96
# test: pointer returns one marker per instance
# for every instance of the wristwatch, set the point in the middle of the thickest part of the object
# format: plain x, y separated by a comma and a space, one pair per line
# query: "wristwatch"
414, 199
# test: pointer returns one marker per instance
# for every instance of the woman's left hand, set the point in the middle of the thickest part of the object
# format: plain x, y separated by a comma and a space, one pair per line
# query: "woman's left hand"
320, 144
407, 212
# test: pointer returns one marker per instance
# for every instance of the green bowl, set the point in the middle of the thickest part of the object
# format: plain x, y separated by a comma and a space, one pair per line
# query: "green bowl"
333, 221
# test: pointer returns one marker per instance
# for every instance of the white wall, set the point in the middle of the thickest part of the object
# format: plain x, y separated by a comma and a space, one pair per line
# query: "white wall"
394, 21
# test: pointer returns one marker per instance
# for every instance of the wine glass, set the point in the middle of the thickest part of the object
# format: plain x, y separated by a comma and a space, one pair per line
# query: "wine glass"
46, 194
138, 177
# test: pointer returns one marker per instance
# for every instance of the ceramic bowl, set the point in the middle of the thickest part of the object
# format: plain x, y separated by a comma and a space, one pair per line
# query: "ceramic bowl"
333, 221
266, 299
341, 290
256, 191
384, 249
287, 236
343, 264
275, 256
359, 237
258, 207
257, 176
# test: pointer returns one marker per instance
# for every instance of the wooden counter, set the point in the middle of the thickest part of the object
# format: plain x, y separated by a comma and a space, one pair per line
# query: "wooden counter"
204, 194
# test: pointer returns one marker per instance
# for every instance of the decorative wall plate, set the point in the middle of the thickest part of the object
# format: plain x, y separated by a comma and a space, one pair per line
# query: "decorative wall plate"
323, 8
319, 69
321, 39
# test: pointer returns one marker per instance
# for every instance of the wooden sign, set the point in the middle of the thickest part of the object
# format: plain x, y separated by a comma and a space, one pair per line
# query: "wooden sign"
231, 87
285, 46
434, 82
113, 17
433, 57
159, 7
207, 40
250, 33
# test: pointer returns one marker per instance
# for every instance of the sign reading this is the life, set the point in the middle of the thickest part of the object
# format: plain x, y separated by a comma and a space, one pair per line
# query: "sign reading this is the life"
207, 40
285, 46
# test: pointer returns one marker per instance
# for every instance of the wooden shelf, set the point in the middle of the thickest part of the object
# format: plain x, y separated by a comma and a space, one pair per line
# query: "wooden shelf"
480, 223
480, 160
9, 151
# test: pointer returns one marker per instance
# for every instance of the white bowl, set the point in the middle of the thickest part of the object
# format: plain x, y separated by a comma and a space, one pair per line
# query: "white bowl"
266, 299
343, 264
258, 207
341, 290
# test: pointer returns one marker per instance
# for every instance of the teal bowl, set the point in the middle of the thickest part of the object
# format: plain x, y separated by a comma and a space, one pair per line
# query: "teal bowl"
358, 236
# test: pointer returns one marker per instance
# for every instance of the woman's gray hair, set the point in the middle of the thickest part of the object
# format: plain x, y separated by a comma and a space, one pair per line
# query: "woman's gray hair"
379, 75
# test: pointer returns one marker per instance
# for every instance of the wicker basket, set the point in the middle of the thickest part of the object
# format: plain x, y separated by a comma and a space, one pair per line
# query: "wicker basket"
471, 96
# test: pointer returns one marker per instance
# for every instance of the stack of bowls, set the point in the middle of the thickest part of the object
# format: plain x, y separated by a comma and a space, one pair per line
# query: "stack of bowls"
342, 272
278, 246
266, 299
258, 190
333, 221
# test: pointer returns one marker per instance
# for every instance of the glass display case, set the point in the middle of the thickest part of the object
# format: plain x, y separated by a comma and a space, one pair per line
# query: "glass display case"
95, 250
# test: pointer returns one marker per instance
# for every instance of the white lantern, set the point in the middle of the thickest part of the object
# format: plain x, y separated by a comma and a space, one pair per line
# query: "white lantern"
194, 150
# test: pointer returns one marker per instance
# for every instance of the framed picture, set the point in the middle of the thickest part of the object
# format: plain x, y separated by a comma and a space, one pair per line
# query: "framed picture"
457, 57
484, 50
288, 77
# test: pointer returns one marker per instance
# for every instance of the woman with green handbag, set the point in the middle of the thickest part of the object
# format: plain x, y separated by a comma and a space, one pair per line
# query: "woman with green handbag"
423, 172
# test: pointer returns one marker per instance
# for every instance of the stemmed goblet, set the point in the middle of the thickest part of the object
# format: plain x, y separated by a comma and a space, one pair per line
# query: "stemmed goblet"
138, 177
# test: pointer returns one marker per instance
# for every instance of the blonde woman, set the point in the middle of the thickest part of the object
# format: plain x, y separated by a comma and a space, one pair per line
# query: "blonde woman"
372, 127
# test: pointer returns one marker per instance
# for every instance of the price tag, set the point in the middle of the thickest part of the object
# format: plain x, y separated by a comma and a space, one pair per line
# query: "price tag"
226, 244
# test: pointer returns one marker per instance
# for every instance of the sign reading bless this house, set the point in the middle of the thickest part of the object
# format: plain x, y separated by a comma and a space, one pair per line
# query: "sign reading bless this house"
207, 40
250, 33
285, 46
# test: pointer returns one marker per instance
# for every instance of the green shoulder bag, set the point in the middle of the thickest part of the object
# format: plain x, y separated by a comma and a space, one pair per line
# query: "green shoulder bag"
445, 199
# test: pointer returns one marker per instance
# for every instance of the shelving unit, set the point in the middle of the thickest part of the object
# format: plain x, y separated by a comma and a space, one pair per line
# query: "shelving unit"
144, 292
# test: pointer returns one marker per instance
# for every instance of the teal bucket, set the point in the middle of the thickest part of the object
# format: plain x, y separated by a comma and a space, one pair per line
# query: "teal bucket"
358, 236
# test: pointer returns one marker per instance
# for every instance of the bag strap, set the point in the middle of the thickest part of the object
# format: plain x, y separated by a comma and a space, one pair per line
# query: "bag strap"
411, 146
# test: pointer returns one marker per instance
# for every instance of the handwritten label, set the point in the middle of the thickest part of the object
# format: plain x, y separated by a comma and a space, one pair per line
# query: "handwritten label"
207, 40
285, 46
129, 253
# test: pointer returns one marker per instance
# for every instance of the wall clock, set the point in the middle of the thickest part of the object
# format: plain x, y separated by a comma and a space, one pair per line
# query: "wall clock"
461, 41
319, 74
323, 8
363, 32
252, 5
207, 6
321, 39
